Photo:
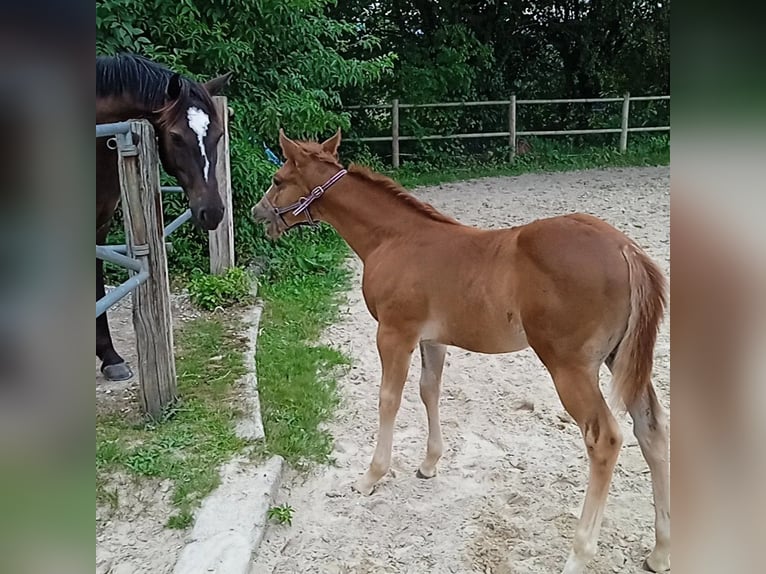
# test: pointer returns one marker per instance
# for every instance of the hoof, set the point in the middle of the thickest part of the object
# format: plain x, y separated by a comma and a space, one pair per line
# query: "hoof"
649, 568
117, 372
362, 488
421, 475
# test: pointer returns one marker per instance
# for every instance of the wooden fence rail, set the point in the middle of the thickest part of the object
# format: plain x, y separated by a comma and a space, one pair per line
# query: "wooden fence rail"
145, 251
142, 216
221, 239
513, 133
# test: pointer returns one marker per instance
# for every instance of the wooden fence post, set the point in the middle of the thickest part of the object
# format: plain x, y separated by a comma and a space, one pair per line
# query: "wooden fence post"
221, 239
142, 214
512, 126
395, 132
624, 126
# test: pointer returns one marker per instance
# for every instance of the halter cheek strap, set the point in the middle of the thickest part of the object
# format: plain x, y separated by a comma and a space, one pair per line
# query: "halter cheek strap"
302, 205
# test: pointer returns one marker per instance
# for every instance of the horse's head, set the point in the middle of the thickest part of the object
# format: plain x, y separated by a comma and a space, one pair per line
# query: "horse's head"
311, 168
188, 130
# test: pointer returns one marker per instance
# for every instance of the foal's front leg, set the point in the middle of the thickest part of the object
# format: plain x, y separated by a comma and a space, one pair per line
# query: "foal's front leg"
395, 348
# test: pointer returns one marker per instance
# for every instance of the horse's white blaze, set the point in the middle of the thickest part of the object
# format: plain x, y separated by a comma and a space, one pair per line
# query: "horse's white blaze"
199, 122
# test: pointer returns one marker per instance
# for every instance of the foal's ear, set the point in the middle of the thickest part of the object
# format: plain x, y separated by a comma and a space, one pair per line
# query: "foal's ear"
290, 149
217, 85
331, 145
174, 87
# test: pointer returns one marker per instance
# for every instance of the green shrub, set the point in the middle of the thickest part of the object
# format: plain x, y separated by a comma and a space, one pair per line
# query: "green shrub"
212, 291
290, 62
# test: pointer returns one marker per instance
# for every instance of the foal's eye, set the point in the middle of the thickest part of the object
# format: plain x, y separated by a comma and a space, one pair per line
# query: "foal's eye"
276, 182
176, 138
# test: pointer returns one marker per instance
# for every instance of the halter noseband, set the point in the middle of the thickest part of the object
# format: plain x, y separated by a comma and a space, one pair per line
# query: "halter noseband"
302, 205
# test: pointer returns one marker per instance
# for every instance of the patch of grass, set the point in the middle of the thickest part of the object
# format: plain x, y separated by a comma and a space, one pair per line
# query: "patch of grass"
546, 155
196, 435
296, 374
106, 496
211, 291
181, 521
283, 514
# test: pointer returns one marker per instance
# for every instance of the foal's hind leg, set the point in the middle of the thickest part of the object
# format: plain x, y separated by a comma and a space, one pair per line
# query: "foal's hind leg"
650, 425
578, 389
432, 360
395, 349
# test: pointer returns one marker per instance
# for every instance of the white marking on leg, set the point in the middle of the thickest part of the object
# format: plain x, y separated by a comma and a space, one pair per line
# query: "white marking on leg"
199, 122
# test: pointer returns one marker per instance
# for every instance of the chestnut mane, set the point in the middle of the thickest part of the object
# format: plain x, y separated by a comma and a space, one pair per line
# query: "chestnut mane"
387, 184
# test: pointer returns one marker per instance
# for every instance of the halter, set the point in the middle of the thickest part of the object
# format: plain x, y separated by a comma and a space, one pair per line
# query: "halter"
302, 205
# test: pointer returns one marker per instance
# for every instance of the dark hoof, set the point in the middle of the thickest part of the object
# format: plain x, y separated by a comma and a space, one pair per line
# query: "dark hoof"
421, 475
117, 372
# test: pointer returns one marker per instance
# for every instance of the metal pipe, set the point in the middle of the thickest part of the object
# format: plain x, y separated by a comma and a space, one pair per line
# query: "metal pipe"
122, 248
178, 222
119, 292
104, 130
112, 256
171, 189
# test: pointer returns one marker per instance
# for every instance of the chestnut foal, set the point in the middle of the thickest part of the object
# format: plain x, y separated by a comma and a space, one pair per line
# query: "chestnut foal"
572, 287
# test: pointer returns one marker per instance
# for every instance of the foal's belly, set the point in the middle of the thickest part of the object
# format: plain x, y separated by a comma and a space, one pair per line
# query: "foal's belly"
480, 333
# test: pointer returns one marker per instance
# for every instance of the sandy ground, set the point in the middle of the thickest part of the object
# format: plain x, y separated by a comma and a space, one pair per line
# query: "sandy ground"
513, 475
131, 537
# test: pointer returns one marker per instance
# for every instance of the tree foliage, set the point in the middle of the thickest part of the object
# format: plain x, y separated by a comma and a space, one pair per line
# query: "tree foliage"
491, 48
290, 62
299, 63
459, 50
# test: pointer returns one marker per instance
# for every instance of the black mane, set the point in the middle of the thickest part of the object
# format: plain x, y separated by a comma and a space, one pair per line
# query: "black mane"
144, 80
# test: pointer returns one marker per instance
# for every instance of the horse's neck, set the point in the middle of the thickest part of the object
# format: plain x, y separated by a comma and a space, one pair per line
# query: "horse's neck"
366, 215
117, 109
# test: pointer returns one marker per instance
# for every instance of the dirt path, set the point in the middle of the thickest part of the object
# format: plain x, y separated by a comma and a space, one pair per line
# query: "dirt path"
131, 536
512, 479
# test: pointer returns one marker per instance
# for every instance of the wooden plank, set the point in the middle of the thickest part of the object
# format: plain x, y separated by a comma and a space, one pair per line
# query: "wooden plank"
571, 101
568, 132
512, 126
458, 104
507, 134
221, 239
624, 123
648, 98
142, 215
507, 102
456, 136
370, 107
650, 129
431, 137
395, 133
370, 139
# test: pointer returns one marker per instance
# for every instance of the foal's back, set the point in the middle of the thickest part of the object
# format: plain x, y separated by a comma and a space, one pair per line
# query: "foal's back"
482, 290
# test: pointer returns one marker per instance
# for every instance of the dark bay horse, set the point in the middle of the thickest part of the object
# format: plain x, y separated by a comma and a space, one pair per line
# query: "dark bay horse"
188, 128
573, 288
